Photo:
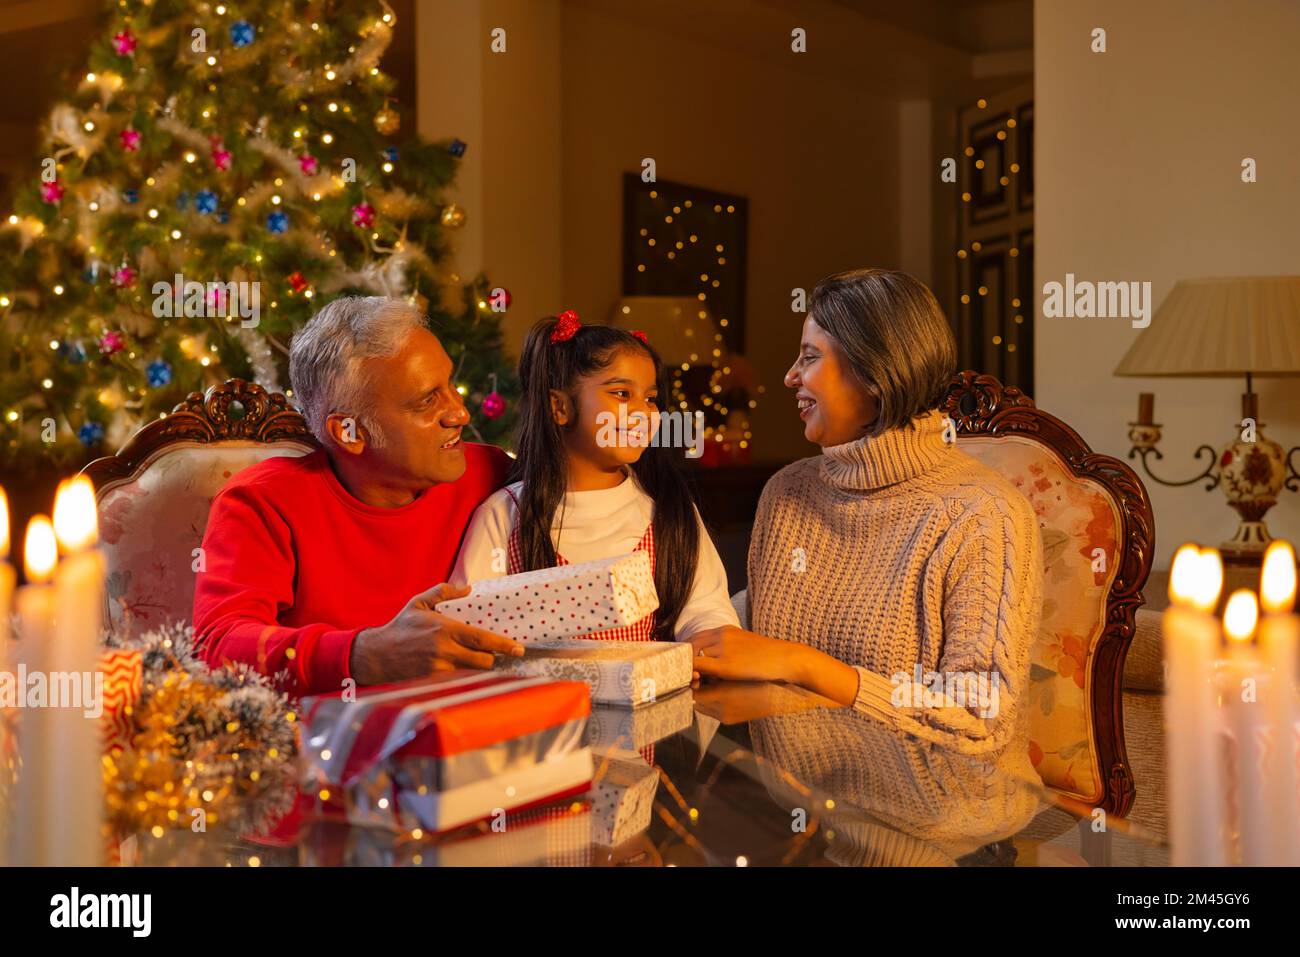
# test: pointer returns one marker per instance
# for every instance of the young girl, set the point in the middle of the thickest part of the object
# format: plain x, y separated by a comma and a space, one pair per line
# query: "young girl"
586, 485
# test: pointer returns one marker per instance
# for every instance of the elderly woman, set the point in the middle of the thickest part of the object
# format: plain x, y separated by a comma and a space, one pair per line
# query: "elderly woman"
892, 556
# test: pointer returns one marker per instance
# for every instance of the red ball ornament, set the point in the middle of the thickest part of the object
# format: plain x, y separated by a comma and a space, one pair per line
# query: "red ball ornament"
499, 299
493, 405
130, 139
363, 215
308, 164
220, 155
111, 342
298, 281
123, 277
52, 192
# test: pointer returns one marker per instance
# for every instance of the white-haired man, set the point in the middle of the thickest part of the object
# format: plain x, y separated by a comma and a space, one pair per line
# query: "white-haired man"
327, 567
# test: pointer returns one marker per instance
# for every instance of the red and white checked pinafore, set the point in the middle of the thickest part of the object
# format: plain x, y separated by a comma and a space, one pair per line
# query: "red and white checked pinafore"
643, 630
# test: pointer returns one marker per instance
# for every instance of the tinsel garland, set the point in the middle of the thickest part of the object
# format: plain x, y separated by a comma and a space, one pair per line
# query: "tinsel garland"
214, 746
259, 355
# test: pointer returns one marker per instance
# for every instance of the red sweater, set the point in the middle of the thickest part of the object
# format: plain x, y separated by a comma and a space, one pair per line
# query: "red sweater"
296, 566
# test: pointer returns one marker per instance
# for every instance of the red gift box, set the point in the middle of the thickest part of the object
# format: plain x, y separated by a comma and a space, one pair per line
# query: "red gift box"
440, 752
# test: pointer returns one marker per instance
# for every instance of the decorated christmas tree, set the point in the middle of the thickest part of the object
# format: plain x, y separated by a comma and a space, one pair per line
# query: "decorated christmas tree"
217, 173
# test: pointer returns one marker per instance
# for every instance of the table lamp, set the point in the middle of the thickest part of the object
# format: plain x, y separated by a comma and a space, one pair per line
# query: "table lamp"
1214, 328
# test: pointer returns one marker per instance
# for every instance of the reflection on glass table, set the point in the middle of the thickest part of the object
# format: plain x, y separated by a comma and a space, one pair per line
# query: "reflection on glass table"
729, 774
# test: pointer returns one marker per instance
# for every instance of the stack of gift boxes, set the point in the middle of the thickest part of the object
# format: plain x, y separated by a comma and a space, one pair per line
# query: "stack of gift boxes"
563, 729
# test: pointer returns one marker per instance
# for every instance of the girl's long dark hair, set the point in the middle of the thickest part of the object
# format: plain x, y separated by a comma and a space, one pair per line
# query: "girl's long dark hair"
542, 463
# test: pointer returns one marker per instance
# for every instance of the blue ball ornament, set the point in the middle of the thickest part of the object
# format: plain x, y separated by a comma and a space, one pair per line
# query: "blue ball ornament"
131, 196
158, 373
91, 434
205, 201
457, 148
278, 222
223, 217
242, 33
390, 154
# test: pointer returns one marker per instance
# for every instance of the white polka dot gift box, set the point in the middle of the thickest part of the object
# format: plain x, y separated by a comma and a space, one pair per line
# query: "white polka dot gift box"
629, 674
561, 602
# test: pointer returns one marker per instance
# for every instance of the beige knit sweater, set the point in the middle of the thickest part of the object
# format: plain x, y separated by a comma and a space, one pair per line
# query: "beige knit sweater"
898, 551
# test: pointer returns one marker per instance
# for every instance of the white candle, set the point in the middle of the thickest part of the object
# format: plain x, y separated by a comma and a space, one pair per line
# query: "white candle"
1191, 643
77, 799
1244, 692
7, 576
1279, 639
35, 606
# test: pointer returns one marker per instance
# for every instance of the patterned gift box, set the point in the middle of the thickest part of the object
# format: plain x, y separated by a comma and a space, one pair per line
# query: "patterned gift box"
441, 752
633, 729
622, 799
629, 674
561, 602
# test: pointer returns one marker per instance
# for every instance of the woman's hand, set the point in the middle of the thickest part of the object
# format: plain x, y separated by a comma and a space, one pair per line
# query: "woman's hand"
733, 653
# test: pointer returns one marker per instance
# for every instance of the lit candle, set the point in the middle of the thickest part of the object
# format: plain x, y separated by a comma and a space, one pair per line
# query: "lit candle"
1245, 716
1279, 638
35, 607
77, 804
7, 576
1191, 643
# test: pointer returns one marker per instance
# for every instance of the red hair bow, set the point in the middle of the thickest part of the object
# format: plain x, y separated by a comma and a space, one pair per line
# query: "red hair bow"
567, 327
641, 335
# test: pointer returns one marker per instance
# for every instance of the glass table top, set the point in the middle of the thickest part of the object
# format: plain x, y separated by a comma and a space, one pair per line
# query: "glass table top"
743, 774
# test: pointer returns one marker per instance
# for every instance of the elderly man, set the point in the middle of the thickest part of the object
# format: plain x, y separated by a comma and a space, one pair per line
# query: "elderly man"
328, 566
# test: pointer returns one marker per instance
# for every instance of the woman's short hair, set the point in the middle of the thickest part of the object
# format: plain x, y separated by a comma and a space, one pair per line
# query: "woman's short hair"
893, 336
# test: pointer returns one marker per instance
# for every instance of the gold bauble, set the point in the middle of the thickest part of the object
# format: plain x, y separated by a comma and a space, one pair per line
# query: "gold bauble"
453, 216
388, 121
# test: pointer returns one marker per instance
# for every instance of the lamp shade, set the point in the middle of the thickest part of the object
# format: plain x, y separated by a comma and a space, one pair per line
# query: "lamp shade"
1221, 327
680, 328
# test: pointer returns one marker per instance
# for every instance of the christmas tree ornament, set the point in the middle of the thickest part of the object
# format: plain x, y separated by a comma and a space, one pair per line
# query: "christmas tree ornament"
220, 156
111, 342
124, 43
124, 276
363, 215
277, 222
297, 281
205, 201
453, 216
388, 121
500, 299
130, 196
158, 373
390, 154
457, 148
90, 434
182, 199
52, 192
130, 139
242, 33
308, 164
73, 352
91, 275
493, 404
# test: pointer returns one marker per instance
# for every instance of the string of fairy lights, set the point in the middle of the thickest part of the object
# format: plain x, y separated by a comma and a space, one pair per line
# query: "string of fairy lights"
720, 362
975, 246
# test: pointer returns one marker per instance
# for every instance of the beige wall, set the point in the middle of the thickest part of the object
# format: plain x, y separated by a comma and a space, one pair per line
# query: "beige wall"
1138, 154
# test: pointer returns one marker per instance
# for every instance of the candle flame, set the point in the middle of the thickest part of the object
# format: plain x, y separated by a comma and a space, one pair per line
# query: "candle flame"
40, 551
1196, 577
75, 523
1278, 579
4, 525
1241, 615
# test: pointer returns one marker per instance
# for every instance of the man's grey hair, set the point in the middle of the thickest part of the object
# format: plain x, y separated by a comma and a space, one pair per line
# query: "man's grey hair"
326, 354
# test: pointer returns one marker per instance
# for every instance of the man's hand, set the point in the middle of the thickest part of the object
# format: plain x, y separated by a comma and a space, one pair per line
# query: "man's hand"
419, 641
